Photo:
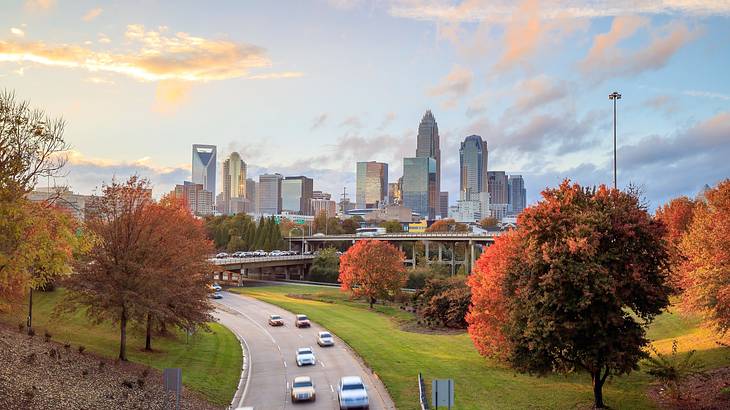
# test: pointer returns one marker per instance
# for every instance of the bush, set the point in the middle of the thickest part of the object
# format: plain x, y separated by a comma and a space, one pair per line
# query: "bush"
47, 335
416, 279
444, 301
67, 346
325, 267
31, 332
81, 349
672, 370
21, 327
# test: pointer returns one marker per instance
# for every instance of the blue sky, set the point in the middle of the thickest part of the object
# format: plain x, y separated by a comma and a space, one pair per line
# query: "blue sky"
311, 87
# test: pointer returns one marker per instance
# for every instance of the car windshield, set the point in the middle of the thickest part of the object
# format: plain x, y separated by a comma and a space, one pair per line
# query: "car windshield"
305, 351
303, 384
302, 317
275, 317
353, 386
323, 335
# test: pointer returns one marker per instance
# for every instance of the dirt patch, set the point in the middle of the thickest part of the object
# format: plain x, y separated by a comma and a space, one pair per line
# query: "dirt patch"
47, 375
708, 392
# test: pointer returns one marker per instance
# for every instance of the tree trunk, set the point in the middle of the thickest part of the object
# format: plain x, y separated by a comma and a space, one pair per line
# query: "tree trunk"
372, 301
598, 389
30, 311
123, 335
148, 339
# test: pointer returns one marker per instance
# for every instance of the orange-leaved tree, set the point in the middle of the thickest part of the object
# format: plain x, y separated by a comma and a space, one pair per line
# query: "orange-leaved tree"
677, 217
706, 246
447, 225
373, 269
574, 287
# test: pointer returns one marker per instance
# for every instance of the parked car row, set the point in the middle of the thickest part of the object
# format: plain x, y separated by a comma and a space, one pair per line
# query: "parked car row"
257, 254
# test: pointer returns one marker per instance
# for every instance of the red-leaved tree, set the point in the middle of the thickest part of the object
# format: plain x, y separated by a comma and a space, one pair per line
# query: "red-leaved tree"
677, 217
706, 246
373, 269
574, 287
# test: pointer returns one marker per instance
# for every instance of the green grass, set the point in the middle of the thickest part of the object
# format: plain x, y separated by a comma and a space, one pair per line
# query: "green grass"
210, 361
397, 356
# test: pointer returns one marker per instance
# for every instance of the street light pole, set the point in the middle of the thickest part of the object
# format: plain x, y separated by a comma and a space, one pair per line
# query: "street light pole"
614, 96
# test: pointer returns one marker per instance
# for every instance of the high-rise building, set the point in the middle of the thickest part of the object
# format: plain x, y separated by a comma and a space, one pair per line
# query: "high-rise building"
204, 163
394, 193
234, 180
371, 188
321, 195
443, 208
473, 163
517, 194
419, 186
427, 144
498, 187
198, 200
251, 195
63, 198
269, 194
296, 195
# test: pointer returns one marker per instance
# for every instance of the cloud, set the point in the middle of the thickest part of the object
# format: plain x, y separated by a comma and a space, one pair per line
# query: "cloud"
536, 92
606, 59
663, 103
707, 94
99, 80
103, 38
170, 95
455, 85
39, 5
92, 14
389, 118
155, 56
319, 121
502, 10
17, 32
352, 122
522, 36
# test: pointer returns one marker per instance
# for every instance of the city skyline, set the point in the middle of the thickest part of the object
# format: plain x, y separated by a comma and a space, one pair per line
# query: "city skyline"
545, 115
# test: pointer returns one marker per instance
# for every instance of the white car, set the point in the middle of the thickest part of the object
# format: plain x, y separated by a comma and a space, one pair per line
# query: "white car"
325, 339
352, 394
216, 287
305, 356
302, 388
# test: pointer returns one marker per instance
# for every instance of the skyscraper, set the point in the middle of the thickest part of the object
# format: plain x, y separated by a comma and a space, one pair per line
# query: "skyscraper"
234, 180
251, 194
427, 144
394, 195
296, 195
204, 166
517, 194
269, 194
372, 184
419, 186
198, 200
498, 193
473, 163
443, 207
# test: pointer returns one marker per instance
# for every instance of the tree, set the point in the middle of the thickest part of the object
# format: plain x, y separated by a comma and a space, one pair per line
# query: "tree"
447, 225
177, 276
445, 301
351, 225
677, 217
392, 226
574, 287
706, 246
489, 223
373, 269
111, 282
325, 267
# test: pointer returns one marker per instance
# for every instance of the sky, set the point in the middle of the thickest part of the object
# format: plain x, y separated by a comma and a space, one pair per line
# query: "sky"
311, 87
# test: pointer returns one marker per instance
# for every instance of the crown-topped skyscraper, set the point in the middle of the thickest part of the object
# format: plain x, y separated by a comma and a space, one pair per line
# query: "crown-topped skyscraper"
428, 143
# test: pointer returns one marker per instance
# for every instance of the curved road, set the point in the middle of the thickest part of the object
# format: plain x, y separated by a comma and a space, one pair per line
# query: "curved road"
272, 364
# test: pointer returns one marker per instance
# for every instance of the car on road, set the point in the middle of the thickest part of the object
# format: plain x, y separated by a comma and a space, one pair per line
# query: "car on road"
351, 393
305, 356
217, 295
325, 339
302, 321
302, 389
276, 320
221, 255
216, 287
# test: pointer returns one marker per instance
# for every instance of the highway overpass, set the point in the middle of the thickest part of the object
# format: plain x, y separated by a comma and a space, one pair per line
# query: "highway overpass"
234, 270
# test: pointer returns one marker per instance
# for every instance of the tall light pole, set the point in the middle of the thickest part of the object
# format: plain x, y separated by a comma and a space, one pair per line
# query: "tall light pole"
614, 96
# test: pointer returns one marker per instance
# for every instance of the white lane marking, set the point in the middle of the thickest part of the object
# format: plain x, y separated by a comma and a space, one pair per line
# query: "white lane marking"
278, 347
284, 363
287, 385
322, 363
301, 337
332, 388
255, 323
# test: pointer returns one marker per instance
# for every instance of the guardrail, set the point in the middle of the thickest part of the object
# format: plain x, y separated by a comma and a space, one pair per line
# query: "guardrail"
422, 397
261, 259
309, 282
397, 235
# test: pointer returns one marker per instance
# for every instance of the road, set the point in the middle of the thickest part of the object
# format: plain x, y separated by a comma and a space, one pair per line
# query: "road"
272, 364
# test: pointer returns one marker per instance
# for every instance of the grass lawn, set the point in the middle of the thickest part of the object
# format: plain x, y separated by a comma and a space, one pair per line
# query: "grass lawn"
210, 362
397, 356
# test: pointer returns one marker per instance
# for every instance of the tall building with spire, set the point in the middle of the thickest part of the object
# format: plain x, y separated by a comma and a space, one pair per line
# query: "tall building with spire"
427, 146
473, 163
204, 163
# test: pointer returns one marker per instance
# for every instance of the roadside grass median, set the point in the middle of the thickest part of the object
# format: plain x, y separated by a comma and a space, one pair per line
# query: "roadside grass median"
210, 361
397, 355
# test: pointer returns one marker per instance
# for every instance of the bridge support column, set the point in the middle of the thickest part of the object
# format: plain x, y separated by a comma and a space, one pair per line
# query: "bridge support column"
471, 257
441, 249
453, 258
428, 258
286, 273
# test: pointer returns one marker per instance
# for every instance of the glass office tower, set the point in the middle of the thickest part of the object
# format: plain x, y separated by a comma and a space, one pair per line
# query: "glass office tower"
419, 186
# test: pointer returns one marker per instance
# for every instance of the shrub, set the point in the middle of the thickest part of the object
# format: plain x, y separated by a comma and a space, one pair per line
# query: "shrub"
31, 332
47, 335
81, 349
67, 346
671, 370
444, 301
140, 382
101, 365
21, 327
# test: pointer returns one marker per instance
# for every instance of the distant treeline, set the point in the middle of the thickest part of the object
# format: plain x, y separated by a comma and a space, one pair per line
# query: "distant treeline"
241, 233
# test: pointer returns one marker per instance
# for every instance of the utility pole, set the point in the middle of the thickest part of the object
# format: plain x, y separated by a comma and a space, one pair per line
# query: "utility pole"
614, 96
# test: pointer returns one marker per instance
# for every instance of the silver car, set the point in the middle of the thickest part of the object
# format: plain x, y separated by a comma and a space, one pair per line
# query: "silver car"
305, 356
325, 339
352, 394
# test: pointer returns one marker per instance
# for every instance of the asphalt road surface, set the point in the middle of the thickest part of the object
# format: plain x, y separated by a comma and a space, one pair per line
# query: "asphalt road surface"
272, 358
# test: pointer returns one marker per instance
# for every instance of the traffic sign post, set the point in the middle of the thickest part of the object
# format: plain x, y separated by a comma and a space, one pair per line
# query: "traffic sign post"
172, 379
442, 393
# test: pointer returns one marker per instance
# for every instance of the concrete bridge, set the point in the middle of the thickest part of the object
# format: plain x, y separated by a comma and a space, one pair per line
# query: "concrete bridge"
437, 245
232, 271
